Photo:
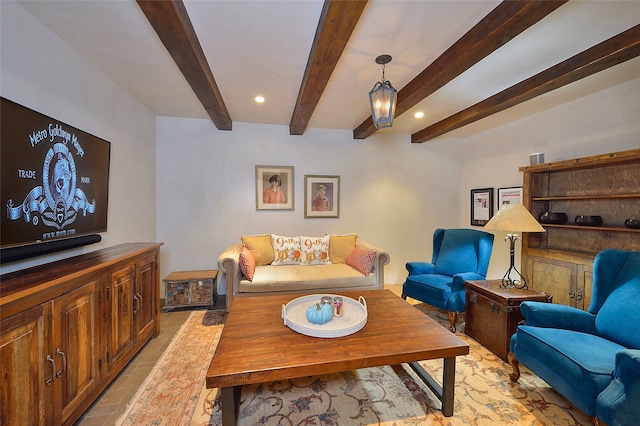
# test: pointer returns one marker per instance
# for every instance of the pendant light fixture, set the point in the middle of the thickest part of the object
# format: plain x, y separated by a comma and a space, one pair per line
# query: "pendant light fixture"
383, 98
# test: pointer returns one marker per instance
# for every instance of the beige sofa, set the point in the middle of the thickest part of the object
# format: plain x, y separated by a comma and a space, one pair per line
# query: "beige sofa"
281, 279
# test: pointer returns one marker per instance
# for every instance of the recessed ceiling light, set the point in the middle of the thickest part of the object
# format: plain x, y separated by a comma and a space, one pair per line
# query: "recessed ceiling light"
259, 99
419, 114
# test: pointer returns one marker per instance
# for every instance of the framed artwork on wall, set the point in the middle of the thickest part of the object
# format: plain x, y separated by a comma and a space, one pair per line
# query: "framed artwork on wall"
321, 196
511, 195
274, 188
481, 206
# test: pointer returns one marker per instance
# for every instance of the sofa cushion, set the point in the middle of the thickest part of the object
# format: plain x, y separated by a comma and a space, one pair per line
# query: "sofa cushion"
461, 256
310, 278
315, 250
286, 250
438, 288
260, 246
619, 317
362, 259
585, 361
247, 263
341, 246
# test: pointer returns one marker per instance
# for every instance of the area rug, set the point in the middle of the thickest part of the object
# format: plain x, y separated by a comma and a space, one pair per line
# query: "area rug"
170, 392
388, 395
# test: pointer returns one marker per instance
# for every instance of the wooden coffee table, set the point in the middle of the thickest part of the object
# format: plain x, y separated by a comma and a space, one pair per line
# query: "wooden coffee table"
256, 347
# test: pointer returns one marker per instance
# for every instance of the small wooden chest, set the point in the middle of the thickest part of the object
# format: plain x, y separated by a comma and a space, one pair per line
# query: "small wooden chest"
190, 288
492, 313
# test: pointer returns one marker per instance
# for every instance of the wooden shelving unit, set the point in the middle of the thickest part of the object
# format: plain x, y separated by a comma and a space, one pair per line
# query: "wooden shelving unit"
560, 261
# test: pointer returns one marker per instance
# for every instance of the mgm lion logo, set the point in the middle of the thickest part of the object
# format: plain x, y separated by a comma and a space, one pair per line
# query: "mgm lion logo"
57, 200
59, 186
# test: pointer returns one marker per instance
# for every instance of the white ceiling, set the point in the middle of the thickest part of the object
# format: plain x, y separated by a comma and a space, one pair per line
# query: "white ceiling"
261, 47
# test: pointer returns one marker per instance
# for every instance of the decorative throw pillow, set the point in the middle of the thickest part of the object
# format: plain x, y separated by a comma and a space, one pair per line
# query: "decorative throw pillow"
247, 263
341, 246
362, 259
261, 247
315, 250
286, 250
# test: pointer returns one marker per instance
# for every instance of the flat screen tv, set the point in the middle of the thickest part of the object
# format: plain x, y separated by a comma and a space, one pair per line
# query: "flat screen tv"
54, 183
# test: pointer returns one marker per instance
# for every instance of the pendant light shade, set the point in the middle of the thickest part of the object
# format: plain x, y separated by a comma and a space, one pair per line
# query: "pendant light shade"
383, 98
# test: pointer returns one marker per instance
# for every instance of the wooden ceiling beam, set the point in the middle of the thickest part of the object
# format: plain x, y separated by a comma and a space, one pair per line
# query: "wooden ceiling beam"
609, 53
172, 24
337, 22
502, 24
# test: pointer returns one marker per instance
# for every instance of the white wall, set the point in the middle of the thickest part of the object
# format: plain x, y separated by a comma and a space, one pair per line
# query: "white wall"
606, 121
41, 72
393, 193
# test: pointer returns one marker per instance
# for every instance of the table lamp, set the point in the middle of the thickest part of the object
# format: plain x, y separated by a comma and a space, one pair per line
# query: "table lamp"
513, 218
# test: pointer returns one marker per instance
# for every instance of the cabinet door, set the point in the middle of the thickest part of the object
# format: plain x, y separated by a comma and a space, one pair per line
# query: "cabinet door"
75, 346
121, 336
584, 287
554, 277
26, 395
145, 298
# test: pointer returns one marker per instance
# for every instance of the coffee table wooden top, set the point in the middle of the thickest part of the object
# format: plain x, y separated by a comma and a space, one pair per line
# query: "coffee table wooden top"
257, 347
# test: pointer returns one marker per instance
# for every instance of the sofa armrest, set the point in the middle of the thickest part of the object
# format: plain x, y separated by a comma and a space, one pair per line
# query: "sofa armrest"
382, 258
618, 403
229, 264
628, 366
419, 268
459, 279
551, 315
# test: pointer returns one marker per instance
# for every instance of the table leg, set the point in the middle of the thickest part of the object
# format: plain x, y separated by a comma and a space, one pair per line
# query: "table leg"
445, 393
230, 400
448, 385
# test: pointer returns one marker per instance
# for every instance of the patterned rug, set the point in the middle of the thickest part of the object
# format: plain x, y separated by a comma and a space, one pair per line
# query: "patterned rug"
174, 393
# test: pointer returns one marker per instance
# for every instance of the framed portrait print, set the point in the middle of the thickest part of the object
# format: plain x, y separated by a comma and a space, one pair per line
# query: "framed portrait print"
274, 188
481, 206
321, 196
511, 195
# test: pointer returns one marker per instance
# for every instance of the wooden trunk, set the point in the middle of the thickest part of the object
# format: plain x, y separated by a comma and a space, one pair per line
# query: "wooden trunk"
493, 313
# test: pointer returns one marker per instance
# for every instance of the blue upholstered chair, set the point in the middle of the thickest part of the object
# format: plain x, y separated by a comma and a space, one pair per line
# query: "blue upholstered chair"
592, 357
458, 255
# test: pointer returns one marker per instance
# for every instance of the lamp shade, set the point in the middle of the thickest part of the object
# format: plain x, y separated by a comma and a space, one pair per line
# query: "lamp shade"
513, 218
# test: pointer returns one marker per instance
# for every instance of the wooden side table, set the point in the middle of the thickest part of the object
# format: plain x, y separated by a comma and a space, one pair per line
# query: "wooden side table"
493, 313
190, 288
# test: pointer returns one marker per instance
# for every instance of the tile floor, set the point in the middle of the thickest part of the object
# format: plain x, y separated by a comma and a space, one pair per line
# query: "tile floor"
113, 401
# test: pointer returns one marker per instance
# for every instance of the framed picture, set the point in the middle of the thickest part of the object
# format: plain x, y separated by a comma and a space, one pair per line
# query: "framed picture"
321, 196
481, 206
511, 195
274, 188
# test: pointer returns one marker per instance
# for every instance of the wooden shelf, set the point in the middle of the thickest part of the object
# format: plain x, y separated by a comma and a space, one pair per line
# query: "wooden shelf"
560, 261
588, 197
595, 228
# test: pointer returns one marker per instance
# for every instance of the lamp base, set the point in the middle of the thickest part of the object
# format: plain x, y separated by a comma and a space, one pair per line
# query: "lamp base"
518, 281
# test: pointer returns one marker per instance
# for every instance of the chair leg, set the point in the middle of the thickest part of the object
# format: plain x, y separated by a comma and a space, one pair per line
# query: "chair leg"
404, 296
598, 422
453, 316
515, 365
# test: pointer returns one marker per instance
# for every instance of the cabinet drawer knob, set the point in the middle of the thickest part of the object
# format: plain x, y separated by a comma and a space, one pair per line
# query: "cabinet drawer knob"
473, 298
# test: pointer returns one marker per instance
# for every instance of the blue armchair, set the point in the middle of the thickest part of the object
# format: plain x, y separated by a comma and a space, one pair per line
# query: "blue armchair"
458, 255
591, 358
